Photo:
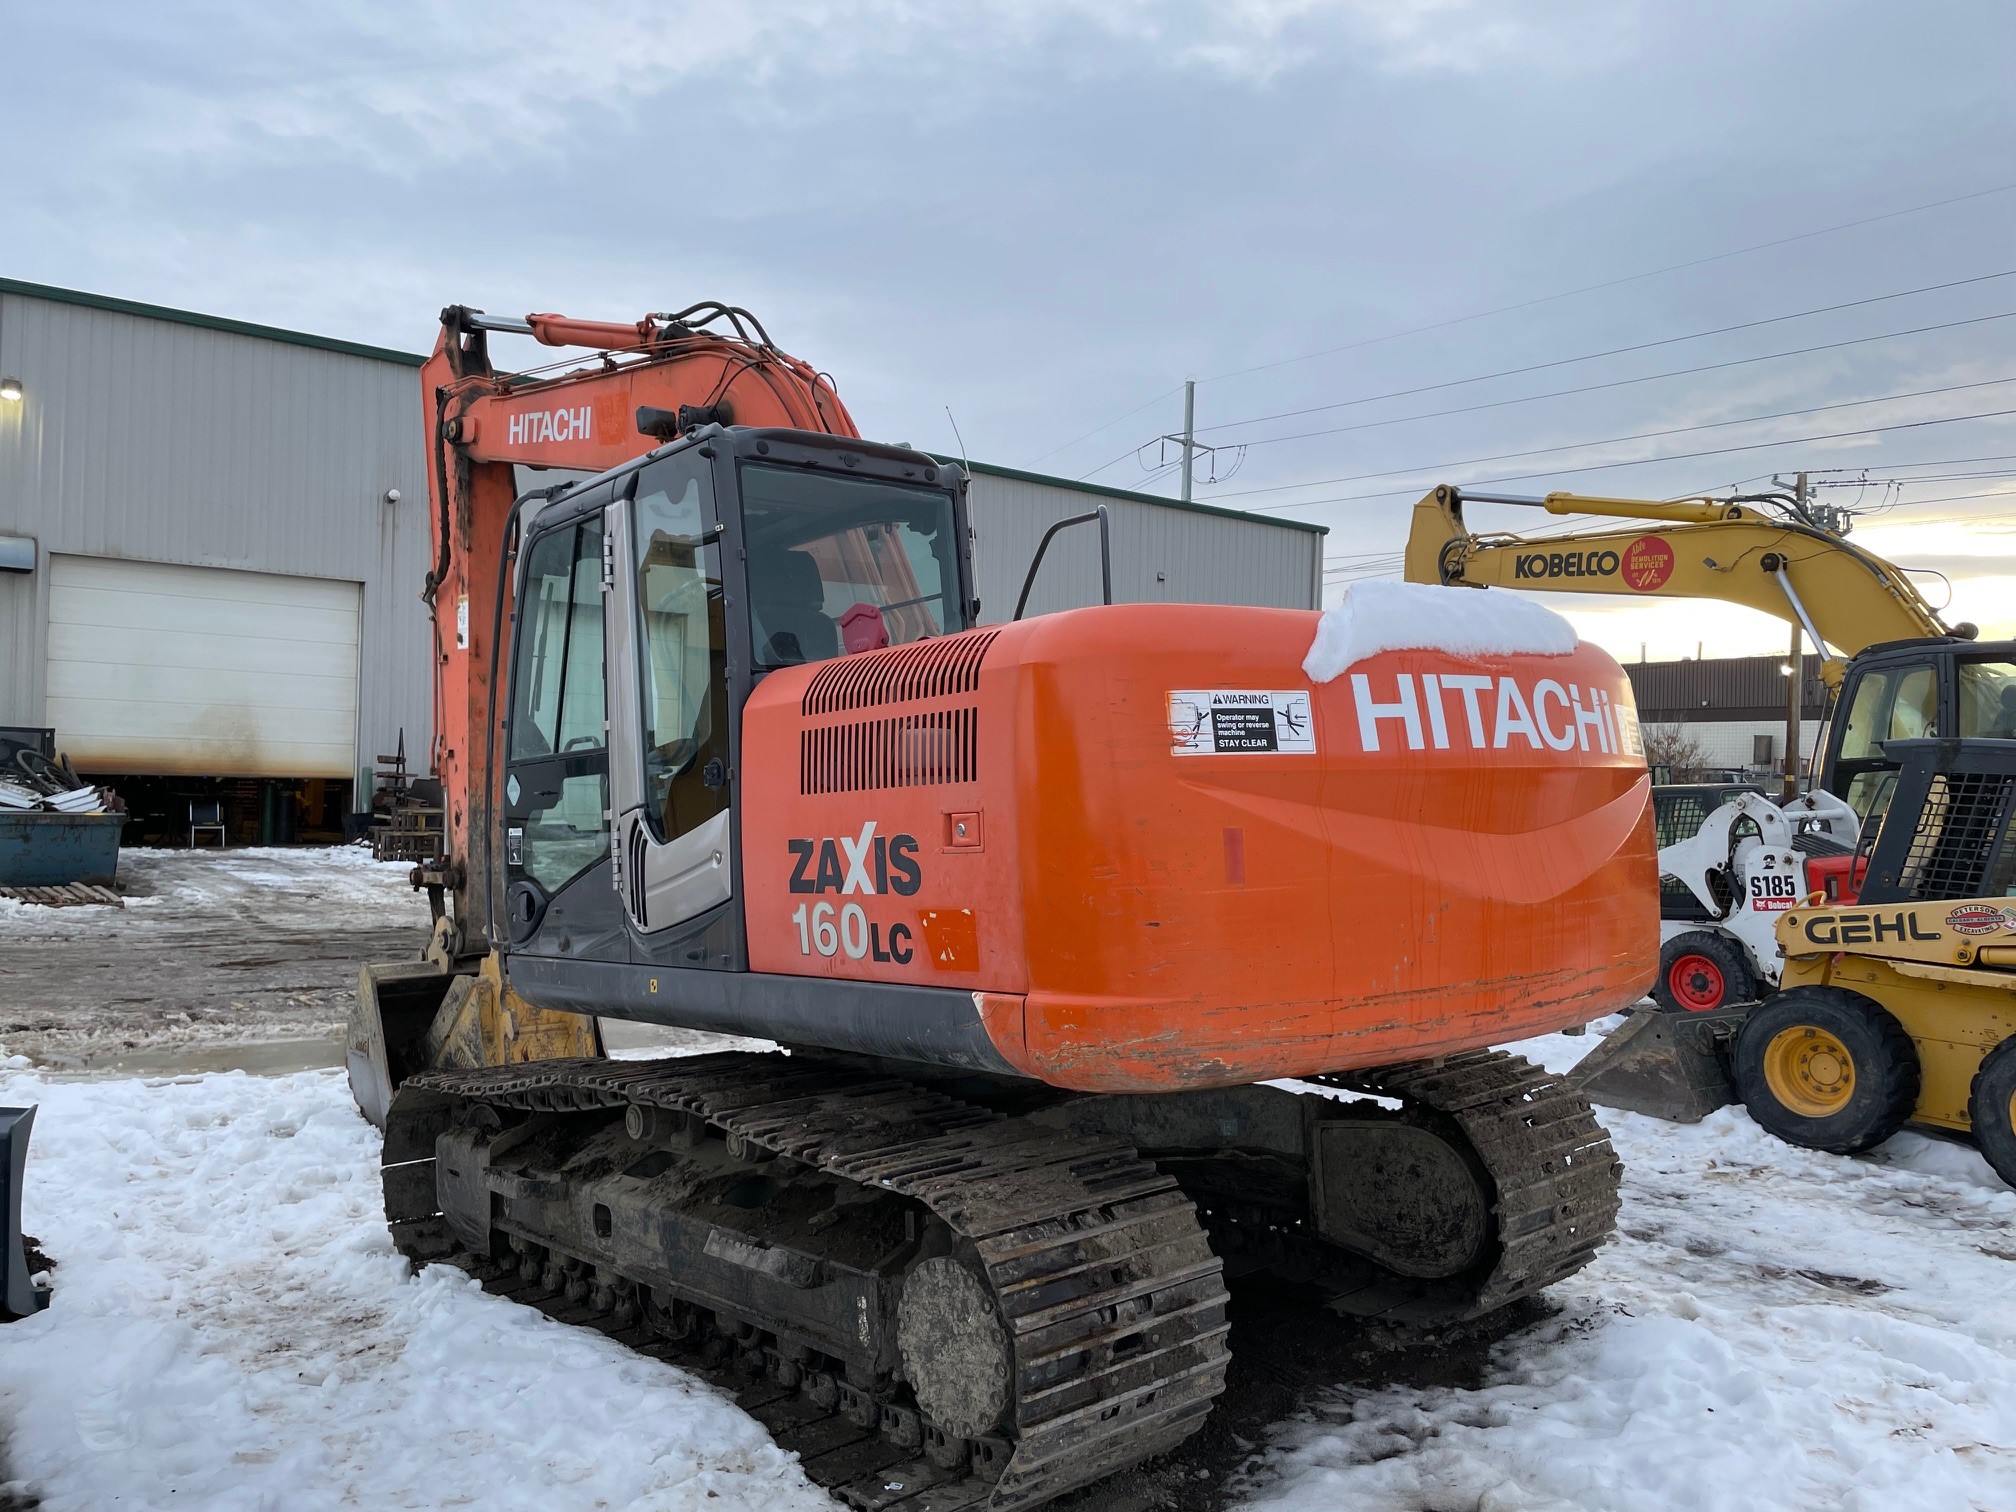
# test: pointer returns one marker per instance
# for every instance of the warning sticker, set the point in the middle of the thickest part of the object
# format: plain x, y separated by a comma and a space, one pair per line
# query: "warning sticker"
1206, 722
1630, 739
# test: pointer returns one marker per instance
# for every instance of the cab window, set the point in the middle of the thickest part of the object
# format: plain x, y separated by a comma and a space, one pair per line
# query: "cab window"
685, 660
559, 663
1899, 703
557, 784
1987, 692
820, 544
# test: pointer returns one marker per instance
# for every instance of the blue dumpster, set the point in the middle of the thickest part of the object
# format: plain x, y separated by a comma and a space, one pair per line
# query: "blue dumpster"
54, 850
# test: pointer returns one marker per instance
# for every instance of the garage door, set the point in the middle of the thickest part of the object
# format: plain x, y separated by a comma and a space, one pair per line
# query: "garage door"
199, 670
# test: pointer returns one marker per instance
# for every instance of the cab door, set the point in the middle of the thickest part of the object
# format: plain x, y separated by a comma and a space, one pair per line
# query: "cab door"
558, 900
1893, 700
672, 703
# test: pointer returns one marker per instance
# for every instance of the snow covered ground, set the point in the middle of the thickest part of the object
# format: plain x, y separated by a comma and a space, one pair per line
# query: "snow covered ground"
1773, 1329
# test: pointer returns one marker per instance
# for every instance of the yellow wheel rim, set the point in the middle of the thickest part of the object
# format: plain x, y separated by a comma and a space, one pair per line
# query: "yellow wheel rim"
1809, 1071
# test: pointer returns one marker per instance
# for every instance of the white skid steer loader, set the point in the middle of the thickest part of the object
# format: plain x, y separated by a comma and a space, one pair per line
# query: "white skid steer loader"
1723, 890
1750, 861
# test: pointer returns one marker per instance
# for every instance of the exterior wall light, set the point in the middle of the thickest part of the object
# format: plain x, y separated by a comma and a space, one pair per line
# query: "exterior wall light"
10, 390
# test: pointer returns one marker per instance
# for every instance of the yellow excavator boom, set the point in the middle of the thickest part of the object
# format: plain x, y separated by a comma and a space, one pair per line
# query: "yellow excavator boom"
1845, 598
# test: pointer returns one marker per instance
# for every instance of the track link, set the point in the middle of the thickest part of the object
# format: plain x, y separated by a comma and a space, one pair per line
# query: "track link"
1553, 1180
1114, 1303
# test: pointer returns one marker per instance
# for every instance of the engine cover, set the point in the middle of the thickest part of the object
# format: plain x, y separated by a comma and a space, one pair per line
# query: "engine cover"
1159, 856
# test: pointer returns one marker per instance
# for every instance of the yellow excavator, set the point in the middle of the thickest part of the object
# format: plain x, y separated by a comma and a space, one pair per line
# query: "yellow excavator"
1893, 665
1897, 998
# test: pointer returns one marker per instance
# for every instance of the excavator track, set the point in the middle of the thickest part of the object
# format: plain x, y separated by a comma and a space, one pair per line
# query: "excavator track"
1104, 1268
1113, 1305
1552, 1176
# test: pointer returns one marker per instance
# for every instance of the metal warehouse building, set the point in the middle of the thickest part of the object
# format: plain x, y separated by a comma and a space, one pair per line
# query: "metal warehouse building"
1732, 707
213, 536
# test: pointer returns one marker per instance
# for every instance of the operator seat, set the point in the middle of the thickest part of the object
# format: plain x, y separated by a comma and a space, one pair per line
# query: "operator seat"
786, 597
2004, 727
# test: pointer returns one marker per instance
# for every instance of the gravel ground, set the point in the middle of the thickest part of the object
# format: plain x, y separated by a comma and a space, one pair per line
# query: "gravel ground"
214, 953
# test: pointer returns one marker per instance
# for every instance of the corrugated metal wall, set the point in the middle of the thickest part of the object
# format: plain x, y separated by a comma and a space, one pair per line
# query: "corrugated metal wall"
1162, 551
161, 438
152, 439
1722, 687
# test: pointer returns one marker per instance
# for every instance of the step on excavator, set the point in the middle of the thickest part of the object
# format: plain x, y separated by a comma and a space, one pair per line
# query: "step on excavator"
1035, 912
1918, 709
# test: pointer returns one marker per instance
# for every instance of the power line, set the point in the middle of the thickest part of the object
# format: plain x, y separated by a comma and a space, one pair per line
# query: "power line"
1526, 304
1165, 394
1591, 388
1562, 472
1677, 430
1642, 346
1903, 466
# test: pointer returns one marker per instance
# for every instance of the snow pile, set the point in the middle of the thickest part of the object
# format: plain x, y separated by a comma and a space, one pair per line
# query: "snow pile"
232, 1332
1380, 615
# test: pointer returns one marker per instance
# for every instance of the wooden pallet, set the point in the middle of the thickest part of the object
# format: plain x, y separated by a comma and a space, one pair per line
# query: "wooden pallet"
73, 895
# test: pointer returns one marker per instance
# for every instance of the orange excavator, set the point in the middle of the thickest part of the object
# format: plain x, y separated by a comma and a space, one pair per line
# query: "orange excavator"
1033, 912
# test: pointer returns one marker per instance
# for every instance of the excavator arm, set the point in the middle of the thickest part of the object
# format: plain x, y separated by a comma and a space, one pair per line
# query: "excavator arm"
653, 381
1845, 598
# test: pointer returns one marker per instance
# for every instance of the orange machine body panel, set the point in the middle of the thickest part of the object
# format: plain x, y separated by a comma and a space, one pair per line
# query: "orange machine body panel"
1159, 856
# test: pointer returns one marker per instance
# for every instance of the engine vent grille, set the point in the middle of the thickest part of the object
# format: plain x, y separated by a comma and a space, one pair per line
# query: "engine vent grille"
909, 750
935, 668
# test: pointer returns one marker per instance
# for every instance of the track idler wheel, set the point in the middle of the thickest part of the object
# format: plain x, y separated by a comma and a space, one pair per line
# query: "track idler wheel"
955, 1348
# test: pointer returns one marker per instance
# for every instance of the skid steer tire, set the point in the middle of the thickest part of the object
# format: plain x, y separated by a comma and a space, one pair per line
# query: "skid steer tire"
1702, 971
1826, 1068
1991, 1108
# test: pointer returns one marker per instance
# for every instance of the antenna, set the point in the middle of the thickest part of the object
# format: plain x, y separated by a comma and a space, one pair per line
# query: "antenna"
965, 459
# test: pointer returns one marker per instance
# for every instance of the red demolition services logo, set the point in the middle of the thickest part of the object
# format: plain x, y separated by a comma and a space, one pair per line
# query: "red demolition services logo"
1648, 562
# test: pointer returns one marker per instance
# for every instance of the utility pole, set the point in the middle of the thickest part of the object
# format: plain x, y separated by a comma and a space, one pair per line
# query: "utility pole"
1186, 441
1795, 692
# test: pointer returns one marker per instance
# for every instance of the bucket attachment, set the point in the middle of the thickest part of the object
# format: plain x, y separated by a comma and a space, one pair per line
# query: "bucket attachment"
413, 1016
19, 1295
1673, 1066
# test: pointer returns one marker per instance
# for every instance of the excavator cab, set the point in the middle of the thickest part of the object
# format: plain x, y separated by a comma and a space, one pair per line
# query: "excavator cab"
653, 599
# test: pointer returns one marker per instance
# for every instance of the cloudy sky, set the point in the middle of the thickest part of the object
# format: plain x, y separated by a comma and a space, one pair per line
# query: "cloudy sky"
1350, 220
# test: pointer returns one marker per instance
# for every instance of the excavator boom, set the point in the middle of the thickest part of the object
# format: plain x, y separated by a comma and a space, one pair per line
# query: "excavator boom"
1841, 595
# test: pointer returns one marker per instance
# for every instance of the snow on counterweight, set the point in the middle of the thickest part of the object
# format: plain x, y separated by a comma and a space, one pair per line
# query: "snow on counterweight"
1380, 616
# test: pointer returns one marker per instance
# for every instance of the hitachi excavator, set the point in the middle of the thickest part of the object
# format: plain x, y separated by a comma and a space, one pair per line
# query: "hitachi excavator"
1034, 911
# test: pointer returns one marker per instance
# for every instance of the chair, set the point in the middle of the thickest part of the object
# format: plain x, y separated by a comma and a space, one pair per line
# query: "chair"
206, 815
